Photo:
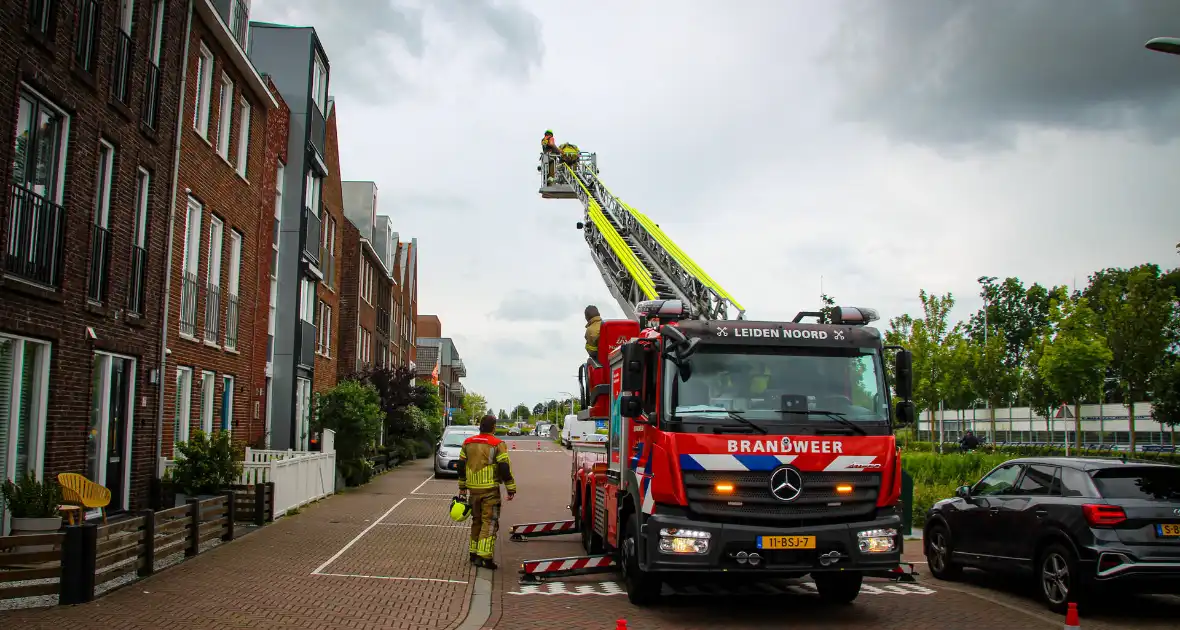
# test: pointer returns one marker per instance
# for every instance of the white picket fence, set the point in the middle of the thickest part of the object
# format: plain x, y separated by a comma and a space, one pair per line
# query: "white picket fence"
300, 477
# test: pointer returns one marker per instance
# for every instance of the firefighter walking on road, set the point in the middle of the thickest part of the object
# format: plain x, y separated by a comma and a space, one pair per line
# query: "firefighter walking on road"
483, 466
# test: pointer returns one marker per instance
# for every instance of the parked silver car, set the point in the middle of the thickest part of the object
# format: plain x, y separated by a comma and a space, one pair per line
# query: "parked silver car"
446, 456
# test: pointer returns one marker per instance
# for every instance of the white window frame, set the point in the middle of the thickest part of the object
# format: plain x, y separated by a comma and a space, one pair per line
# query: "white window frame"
307, 300
182, 423
235, 262
208, 394
269, 409
277, 234
225, 116
192, 236
157, 35
227, 402
143, 188
57, 193
202, 104
38, 409
104, 180
303, 412
311, 192
319, 83
126, 16
270, 325
106, 367
216, 243
243, 157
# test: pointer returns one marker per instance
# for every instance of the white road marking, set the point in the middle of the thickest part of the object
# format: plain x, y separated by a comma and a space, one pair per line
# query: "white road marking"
358, 537
427, 525
388, 577
428, 479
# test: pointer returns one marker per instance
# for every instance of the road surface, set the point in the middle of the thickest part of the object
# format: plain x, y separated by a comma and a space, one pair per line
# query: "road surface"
386, 556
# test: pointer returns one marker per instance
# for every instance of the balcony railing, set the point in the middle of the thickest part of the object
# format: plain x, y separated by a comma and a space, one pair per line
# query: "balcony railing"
318, 128
100, 263
121, 68
188, 304
151, 96
212, 312
311, 235
306, 343
138, 281
35, 228
240, 21
231, 322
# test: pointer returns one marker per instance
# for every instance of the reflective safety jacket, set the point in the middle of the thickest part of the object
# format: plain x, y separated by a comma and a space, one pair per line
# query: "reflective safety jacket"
483, 464
549, 143
592, 329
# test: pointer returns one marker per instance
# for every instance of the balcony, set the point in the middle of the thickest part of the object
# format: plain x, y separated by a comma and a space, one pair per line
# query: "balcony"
311, 236
306, 344
231, 322
138, 281
151, 96
121, 68
319, 130
458, 369
188, 304
100, 264
212, 312
35, 228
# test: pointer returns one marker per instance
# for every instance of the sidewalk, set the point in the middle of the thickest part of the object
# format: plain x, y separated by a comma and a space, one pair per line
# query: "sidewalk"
363, 559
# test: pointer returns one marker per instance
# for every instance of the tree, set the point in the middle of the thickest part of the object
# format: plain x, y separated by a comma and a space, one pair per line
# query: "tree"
924, 338
1137, 315
521, 412
503, 415
1165, 396
353, 411
994, 380
396, 390
1041, 397
475, 406
1013, 312
1074, 362
538, 409
956, 364
828, 309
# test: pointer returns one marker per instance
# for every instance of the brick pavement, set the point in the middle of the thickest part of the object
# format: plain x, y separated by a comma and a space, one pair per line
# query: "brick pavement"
264, 580
590, 603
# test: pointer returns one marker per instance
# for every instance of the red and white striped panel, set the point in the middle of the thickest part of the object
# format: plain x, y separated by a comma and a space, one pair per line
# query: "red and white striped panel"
566, 564
552, 526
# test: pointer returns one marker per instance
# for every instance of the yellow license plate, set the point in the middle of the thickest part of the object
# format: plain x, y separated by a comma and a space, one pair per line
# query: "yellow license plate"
1168, 531
786, 542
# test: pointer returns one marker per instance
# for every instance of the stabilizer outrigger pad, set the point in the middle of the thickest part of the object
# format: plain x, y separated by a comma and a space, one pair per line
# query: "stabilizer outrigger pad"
535, 571
549, 528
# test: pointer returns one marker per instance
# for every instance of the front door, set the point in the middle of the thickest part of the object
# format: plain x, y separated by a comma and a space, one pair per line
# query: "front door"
117, 421
111, 420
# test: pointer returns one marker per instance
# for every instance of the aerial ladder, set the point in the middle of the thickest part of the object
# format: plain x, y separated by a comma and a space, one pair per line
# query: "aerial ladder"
637, 260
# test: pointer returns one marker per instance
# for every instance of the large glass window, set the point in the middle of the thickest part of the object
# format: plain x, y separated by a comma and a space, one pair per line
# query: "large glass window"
770, 387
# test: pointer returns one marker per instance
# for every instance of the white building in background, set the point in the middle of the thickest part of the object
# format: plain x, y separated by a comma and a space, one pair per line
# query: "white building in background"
1101, 424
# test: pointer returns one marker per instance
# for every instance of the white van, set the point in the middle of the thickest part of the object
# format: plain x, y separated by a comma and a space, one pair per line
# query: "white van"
575, 430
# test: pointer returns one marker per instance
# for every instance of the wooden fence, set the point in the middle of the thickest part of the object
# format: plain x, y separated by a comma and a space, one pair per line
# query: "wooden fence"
83, 558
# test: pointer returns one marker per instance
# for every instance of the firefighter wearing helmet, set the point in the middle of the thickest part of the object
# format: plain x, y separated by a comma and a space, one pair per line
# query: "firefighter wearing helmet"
483, 466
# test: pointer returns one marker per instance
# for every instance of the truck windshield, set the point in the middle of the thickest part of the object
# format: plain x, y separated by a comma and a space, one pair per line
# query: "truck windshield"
773, 388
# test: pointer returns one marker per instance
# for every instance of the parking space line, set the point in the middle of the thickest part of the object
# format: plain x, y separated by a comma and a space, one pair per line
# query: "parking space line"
428, 480
388, 577
354, 540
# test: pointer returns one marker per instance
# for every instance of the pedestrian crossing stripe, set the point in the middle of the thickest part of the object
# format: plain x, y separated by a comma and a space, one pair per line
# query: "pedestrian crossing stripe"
760, 588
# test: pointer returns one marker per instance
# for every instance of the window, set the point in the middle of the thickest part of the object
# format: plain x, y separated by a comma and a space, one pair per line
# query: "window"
24, 399
213, 283
1139, 483
1075, 483
239, 22
280, 175
269, 409
108, 449
244, 138
324, 332
204, 91
364, 279
100, 237
1038, 480
121, 64
156, 42
184, 403
192, 265
126, 15
225, 112
235, 273
303, 411
319, 84
36, 218
137, 282
311, 192
86, 35
270, 326
227, 403
307, 300
1000, 481
328, 251
207, 381
151, 98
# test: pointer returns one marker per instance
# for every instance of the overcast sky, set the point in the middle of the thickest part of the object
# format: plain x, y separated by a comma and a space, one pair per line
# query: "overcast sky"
887, 146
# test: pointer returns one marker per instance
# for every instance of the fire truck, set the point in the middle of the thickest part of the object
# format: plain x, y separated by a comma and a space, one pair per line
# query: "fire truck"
736, 449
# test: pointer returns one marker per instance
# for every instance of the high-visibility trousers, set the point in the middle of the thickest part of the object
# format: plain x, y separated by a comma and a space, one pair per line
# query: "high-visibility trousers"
485, 521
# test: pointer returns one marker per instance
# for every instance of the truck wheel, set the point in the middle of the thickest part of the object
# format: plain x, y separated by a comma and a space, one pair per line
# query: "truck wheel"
591, 541
643, 588
838, 588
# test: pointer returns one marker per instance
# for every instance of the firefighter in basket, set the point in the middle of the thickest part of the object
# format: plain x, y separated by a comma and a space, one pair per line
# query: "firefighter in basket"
551, 154
570, 153
483, 466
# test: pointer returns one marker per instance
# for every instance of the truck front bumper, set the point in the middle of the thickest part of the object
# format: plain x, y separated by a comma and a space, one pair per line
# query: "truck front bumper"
872, 546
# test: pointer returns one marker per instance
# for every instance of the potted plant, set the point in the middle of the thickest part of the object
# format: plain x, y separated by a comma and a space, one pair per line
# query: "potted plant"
206, 465
33, 505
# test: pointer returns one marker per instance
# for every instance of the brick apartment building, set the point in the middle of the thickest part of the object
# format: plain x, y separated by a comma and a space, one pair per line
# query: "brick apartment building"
224, 182
366, 281
429, 326
278, 126
328, 328
405, 304
91, 93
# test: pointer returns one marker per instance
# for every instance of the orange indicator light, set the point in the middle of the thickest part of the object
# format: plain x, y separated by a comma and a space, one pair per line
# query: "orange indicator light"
844, 488
724, 487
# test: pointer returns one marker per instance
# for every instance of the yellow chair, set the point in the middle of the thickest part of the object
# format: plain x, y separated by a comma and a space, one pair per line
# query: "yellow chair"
78, 490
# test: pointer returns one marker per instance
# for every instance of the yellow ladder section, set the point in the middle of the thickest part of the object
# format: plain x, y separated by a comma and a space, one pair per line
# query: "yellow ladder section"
631, 263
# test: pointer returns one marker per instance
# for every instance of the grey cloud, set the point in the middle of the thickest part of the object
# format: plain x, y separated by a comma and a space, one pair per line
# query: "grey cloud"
530, 306
961, 74
515, 31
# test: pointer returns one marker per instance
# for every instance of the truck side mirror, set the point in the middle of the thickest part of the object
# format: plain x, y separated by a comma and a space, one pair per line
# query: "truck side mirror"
903, 414
630, 406
582, 378
903, 369
632, 378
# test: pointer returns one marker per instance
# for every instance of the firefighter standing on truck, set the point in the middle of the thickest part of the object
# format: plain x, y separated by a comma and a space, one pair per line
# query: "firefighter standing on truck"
593, 328
483, 466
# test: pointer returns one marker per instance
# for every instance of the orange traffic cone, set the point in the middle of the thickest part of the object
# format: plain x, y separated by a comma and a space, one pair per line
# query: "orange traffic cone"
538, 445
1071, 618
621, 624
514, 446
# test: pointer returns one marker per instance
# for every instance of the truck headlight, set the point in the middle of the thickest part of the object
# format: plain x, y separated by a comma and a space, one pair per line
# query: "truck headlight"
877, 540
687, 541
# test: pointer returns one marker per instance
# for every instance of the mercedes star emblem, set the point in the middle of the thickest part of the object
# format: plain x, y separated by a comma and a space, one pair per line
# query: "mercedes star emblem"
786, 483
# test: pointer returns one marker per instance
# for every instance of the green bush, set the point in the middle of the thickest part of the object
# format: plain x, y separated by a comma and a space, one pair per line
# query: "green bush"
1038, 451
422, 449
207, 464
30, 498
404, 448
356, 472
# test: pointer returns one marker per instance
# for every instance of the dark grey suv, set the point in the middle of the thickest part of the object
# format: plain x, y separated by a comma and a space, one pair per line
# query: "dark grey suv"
1077, 524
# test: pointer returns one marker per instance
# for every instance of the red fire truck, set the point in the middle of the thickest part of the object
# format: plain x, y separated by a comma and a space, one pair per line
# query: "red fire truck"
747, 448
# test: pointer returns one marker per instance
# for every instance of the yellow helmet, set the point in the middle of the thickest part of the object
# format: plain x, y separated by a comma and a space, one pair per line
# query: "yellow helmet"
460, 510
